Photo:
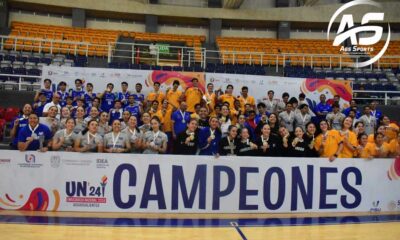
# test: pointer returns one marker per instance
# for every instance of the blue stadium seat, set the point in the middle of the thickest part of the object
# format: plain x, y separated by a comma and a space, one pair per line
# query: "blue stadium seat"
167, 68
177, 68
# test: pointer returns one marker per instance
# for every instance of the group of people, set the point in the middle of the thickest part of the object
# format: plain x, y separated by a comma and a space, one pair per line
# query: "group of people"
193, 121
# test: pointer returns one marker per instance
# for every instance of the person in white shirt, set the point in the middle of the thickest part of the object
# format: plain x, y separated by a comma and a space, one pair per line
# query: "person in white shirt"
368, 120
55, 102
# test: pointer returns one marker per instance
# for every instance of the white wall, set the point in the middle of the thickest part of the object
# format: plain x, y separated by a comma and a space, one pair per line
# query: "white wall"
257, 4
183, 30
39, 19
132, 27
248, 33
191, 3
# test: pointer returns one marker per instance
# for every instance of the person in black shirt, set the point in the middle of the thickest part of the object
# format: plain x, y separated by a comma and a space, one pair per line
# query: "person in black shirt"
309, 138
245, 147
298, 147
287, 139
187, 141
203, 118
227, 146
268, 144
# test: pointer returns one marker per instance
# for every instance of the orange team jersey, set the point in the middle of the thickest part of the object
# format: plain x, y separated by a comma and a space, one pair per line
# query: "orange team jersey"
167, 126
394, 147
332, 143
173, 98
234, 116
193, 97
249, 100
156, 113
210, 99
352, 138
392, 134
228, 98
156, 96
364, 153
371, 149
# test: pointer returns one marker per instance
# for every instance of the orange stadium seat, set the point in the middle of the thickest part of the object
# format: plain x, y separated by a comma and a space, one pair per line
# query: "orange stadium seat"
100, 38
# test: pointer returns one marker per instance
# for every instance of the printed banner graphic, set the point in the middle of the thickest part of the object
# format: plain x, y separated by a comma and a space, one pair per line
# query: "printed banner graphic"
258, 85
56, 181
99, 77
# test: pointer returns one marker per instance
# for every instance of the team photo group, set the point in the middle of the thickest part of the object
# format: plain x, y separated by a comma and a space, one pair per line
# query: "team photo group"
212, 122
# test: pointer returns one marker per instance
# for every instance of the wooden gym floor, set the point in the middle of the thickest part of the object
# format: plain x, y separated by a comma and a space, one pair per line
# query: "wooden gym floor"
112, 226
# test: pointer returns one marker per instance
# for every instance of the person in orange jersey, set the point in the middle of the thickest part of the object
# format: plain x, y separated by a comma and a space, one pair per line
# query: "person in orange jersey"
349, 139
244, 98
391, 129
228, 97
193, 95
174, 96
394, 146
156, 94
379, 148
328, 143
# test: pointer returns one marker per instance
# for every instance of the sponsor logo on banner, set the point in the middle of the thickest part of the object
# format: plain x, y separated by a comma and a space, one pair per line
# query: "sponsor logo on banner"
360, 44
375, 207
102, 163
30, 162
55, 161
76, 162
86, 194
5, 161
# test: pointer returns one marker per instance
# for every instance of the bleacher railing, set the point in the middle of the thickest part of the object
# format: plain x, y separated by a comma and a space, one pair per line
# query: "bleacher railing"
188, 56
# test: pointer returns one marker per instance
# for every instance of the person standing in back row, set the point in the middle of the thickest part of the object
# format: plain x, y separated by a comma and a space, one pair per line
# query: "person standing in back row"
193, 95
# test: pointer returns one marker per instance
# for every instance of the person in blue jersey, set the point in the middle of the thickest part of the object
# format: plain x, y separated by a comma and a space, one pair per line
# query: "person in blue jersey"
116, 112
96, 104
78, 92
79, 104
186, 142
47, 91
34, 136
108, 98
89, 96
19, 123
353, 106
135, 109
39, 106
123, 96
63, 93
138, 95
179, 119
209, 138
262, 112
323, 108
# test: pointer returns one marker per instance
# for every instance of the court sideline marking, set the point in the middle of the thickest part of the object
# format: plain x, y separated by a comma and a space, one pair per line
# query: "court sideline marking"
236, 226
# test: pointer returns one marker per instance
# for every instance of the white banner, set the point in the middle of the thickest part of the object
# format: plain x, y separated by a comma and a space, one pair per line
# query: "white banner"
56, 181
260, 85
